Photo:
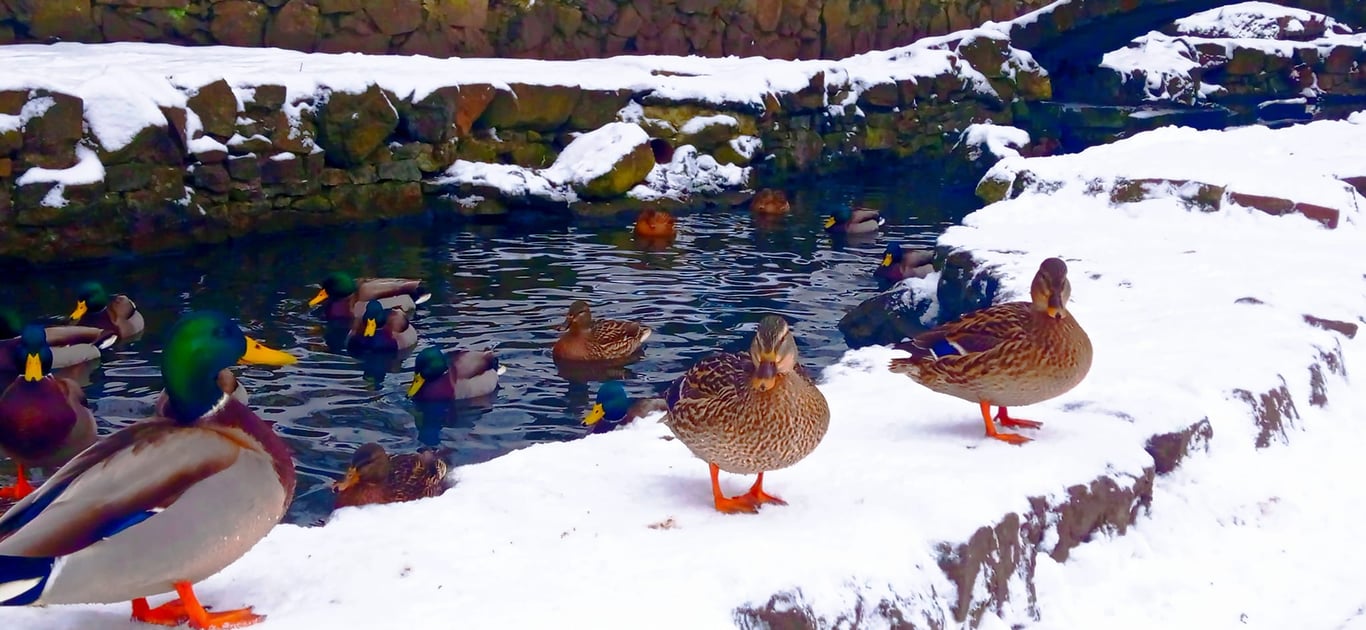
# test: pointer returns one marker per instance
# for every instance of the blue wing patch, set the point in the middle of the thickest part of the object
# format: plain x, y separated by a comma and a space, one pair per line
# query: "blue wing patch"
119, 524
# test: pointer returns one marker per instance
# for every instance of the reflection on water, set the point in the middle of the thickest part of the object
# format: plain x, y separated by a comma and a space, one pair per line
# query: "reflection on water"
494, 286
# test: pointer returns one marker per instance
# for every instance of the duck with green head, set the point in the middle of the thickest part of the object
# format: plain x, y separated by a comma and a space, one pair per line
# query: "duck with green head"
899, 263
71, 346
344, 298
613, 408
44, 421
456, 375
846, 220
160, 504
115, 313
381, 329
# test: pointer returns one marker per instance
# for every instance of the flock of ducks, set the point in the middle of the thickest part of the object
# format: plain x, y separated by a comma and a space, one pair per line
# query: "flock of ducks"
172, 499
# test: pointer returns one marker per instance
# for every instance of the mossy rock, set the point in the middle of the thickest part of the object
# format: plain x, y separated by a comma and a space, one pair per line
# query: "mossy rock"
708, 133
154, 144
432, 118
68, 20
994, 188
629, 170
216, 106
353, 126
536, 107
50, 139
678, 115
597, 108
478, 150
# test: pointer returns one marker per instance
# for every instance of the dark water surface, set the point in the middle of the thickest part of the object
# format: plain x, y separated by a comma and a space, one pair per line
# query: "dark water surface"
499, 287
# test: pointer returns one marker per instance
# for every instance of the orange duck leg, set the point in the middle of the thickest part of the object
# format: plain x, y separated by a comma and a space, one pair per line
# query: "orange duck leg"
21, 487
1009, 438
187, 608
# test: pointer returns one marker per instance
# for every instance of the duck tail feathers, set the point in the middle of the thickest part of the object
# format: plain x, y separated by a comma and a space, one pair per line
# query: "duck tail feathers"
23, 580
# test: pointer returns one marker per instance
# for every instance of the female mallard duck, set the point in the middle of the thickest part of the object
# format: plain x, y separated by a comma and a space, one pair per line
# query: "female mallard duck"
1007, 355
44, 421
456, 375
381, 329
344, 298
376, 477
749, 413
614, 408
160, 504
655, 223
846, 220
769, 201
602, 340
899, 263
115, 313
70, 345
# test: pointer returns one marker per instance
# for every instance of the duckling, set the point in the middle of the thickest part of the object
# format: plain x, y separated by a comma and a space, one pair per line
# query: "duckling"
44, 419
614, 409
769, 201
748, 413
343, 298
899, 263
376, 477
587, 339
845, 220
382, 330
1007, 355
655, 223
115, 313
456, 375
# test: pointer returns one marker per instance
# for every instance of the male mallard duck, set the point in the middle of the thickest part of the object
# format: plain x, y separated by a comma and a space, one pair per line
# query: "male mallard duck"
455, 375
44, 421
115, 313
748, 413
381, 329
160, 504
844, 220
227, 383
654, 223
587, 339
69, 345
769, 201
344, 298
614, 409
1007, 355
899, 263
377, 477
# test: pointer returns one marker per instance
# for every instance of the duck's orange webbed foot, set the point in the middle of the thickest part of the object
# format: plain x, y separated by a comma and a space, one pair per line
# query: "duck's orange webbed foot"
1006, 421
1009, 438
21, 487
188, 609
171, 613
729, 505
757, 496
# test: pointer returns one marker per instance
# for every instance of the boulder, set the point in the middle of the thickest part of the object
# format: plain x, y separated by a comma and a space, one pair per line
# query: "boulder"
605, 163
295, 26
50, 138
535, 107
239, 22
67, 20
353, 126
394, 17
432, 118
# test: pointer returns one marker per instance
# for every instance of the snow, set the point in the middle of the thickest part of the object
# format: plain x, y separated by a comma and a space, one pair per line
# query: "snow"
697, 123
592, 154
34, 108
1253, 20
692, 172
1000, 140
86, 170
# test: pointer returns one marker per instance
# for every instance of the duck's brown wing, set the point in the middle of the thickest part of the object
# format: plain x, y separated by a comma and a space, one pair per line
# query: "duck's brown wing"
416, 475
619, 337
376, 288
973, 333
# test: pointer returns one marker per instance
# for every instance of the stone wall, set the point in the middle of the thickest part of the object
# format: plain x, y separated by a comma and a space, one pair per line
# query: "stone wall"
551, 29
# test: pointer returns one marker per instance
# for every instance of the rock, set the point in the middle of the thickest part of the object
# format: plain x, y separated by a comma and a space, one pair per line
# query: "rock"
154, 145
328, 7
238, 22
708, 132
964, 286
581, 164
471, 14
433, 117
1273, 410
597, 108
399, 171
885, 318
67, 20
212, 177
535, 107
353, 126
50, 138
295, 26
80, 201
281, 168
394, 17
126, 177
386, 199
245, 168
474, 99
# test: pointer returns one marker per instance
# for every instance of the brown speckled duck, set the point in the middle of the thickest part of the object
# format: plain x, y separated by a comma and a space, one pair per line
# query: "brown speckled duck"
343, 298
748, 413
115, 313
44, 421
377, 477
600, 340
654, 223
1007, 355
769, 201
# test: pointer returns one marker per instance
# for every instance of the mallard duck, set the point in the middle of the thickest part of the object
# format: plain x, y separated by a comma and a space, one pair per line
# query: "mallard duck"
115, 313
1007, 355
654, 223
748, 413
844, 220
160, 504
70, 345
344, 298
44, 421
769, 201
381, 329
899, 263
377, 477
456, 375
601, 340
613, 408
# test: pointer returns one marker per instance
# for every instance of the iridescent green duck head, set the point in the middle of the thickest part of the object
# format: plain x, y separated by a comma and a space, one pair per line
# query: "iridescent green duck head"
430, 365
336, 286
1050, 289
33, 353
10, 323
199, 345
612, 404
773, 351
90, 297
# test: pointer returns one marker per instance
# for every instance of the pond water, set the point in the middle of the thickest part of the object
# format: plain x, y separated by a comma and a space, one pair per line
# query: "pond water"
502, 287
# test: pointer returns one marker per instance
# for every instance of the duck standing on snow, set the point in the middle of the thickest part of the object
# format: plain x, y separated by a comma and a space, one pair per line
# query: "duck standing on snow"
344, 298
70, 346
44, 421
899, 263
115, 313
601, 340
747, 413
613, 408
161, 504
381, 329
457, 375
853, 221
376, 477
1007, 355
